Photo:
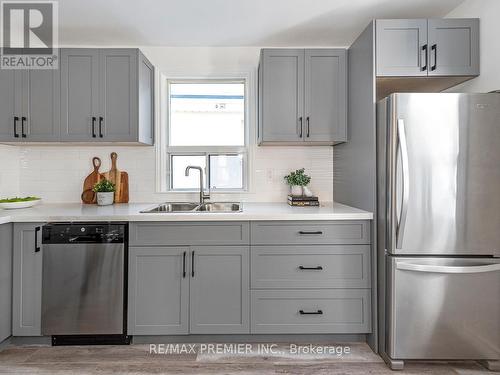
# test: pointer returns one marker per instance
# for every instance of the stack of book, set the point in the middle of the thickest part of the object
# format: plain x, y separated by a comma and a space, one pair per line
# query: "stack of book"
302, 201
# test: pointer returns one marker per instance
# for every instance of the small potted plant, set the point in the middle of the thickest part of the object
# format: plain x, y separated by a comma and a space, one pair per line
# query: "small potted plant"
105, 191
297, 181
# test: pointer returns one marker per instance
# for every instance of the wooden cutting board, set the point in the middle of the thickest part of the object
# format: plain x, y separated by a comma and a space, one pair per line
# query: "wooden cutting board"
88, 196
119, 178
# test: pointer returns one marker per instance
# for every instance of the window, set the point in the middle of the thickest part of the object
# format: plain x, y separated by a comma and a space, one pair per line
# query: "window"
207, 128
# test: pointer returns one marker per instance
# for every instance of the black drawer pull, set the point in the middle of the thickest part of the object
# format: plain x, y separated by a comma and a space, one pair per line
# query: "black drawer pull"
318, 312
23, 120
101, 119
317, 232
434, 48
424, 48
317, 268
93, 127
37, 248
16, 119
184, 265
192, 264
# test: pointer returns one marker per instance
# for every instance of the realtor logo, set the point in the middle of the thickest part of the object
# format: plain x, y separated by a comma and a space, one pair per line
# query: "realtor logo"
29, 35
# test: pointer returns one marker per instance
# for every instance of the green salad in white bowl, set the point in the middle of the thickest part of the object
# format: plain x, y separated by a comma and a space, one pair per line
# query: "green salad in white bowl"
18, 202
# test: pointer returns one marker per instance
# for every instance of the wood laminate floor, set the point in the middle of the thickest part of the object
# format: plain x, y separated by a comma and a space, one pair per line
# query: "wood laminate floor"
136, 359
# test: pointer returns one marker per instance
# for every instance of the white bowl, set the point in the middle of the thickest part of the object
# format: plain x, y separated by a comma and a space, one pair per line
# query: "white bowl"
15, 205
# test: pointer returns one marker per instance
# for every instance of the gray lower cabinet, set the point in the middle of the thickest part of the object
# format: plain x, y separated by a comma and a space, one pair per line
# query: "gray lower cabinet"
219, 290
158, 294
107, 95
5, 281
311, 311
27, 279
427, 47
302, 96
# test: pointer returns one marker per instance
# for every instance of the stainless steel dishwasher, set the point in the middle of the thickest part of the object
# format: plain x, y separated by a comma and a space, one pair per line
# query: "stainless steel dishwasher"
84, 283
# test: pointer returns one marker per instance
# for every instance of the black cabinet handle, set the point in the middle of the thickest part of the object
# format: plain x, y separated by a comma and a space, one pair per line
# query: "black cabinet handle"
184, 265
318, 312
93, 127
16, 119
318, 232
307, 127
192, 264
23, 120
424, 48
100, 126
37, 248
300, 129
434, 48
317, 268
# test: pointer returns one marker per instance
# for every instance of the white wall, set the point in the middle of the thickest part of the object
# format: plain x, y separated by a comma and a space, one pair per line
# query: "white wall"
489, 13
9, 171
56, 173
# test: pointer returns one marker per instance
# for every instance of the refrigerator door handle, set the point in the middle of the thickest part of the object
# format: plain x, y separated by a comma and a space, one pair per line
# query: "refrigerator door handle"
447, 269
406, 183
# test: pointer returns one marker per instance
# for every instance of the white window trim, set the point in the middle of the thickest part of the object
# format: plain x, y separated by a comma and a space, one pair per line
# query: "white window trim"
162, 130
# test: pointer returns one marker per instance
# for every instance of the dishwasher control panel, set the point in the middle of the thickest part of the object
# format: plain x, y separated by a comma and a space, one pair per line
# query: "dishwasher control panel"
62, 233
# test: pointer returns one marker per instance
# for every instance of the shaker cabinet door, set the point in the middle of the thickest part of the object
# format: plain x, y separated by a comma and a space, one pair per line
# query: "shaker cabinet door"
79, 94
27, 280
402, 48
118, 95
219, 290
325, 95
282, 95
10, 105
158, 291
453, 47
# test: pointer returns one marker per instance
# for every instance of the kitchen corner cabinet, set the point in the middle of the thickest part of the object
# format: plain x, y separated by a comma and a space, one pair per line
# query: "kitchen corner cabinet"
5, 281
302, 96
29, 105
107, 95
427, 47
27, 279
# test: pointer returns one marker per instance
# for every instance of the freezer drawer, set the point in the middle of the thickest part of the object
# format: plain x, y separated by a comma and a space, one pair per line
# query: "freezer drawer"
443, 308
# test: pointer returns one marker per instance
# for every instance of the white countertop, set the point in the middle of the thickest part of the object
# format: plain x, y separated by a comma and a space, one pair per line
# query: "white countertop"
131, 212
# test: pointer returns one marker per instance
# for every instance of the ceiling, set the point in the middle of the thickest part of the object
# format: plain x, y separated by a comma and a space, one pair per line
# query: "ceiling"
231, 22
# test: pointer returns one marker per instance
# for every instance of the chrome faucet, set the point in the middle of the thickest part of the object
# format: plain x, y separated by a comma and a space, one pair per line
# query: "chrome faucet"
203, 196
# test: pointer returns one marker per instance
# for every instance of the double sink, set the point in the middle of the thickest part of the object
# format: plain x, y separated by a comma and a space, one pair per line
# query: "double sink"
176, 207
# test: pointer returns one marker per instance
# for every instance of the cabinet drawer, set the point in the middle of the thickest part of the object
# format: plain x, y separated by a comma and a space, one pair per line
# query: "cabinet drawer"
310, 232
317, 266
311, 311
189, 233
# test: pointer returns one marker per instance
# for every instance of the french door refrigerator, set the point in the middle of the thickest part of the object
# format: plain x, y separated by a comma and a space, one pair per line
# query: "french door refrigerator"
438, 168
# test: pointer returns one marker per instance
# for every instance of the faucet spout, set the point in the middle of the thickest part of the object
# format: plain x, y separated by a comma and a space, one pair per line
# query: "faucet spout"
203, 196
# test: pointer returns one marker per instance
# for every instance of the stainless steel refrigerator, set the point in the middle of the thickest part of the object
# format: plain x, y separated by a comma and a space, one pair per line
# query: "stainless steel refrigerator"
438, 168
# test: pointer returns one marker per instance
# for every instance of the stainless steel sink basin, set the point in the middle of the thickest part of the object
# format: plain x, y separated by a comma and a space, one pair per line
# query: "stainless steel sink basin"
219, 207
173, 207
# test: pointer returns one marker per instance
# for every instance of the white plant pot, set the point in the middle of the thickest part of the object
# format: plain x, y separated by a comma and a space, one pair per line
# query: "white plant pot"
307, 192
105, 199
296, 190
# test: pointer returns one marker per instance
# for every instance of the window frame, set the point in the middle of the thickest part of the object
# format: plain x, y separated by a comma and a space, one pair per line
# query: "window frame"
170, 151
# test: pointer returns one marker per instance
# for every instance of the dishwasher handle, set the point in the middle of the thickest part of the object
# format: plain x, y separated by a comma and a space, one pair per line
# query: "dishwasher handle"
429, 268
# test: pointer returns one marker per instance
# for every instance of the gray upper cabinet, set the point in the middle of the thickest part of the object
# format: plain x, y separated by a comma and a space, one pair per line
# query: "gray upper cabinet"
27, 280
79, 94
427, 47
281, 99
325, 96
401, 47
158, 291
107, 96
454, 47
220, 290
29, 105
302, 96
10, 88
